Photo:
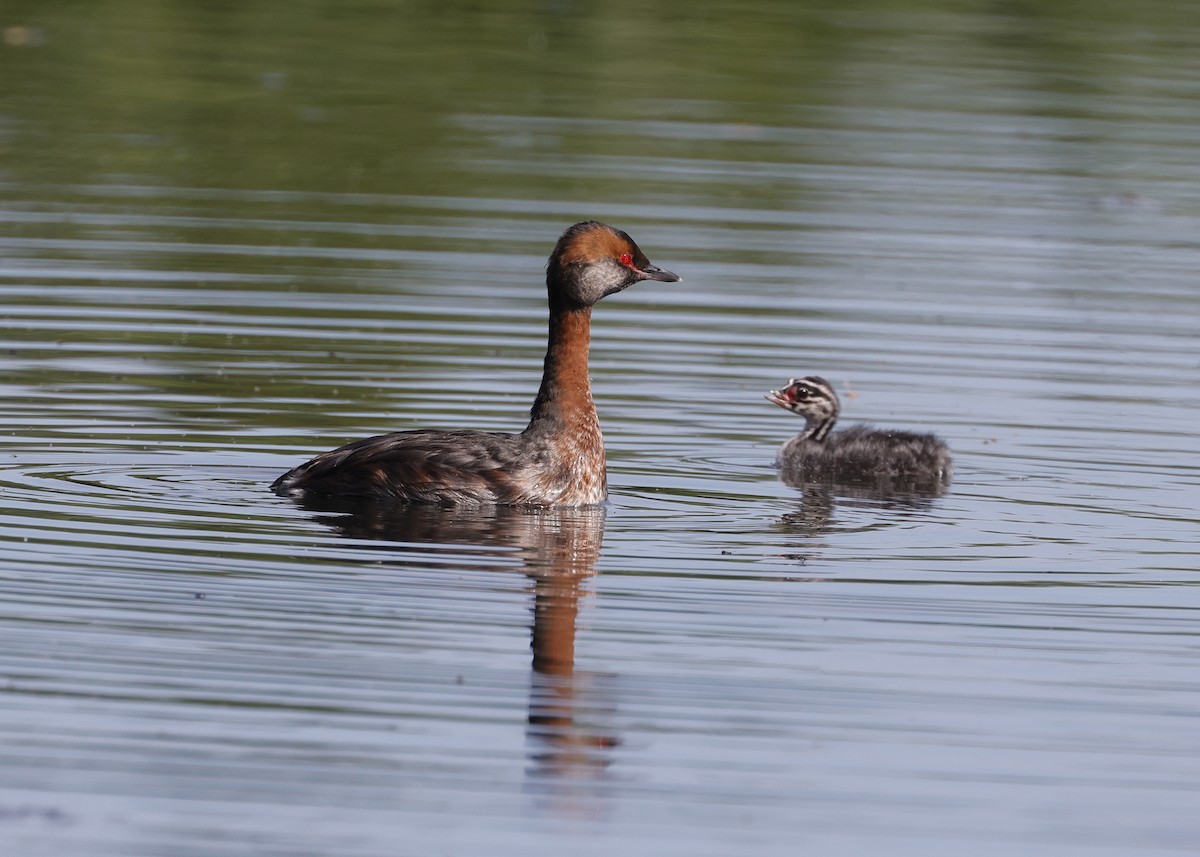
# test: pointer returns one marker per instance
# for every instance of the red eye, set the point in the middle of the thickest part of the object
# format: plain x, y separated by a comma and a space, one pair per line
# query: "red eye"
626, 259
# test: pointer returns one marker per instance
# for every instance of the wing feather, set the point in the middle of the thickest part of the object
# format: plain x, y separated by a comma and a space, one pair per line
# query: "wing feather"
459, 467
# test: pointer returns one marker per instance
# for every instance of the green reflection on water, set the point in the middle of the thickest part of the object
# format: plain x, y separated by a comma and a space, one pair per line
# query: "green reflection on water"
363, 96
371, 96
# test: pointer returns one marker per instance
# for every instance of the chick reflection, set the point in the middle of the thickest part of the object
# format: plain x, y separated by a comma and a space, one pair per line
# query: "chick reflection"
820, 499
557, 549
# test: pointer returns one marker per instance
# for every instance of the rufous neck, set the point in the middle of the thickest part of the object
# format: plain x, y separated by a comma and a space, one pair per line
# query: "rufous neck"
565, 397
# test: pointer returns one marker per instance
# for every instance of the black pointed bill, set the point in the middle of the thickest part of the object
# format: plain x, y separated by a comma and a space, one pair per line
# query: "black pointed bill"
653, 272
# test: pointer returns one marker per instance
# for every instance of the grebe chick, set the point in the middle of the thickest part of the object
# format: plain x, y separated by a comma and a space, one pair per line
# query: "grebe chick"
859, 453
558, 460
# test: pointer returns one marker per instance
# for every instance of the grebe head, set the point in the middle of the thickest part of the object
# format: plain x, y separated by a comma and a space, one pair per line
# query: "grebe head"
592, 260
814, 399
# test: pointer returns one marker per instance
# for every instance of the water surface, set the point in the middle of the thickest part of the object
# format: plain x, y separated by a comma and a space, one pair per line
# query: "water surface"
230, 240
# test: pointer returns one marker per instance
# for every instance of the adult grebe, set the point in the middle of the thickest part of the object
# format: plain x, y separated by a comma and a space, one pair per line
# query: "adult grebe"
558, 460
